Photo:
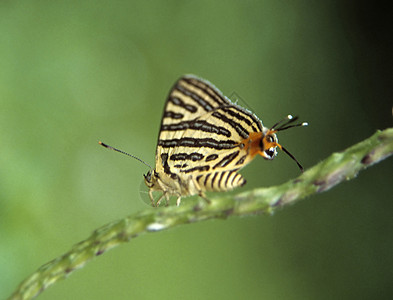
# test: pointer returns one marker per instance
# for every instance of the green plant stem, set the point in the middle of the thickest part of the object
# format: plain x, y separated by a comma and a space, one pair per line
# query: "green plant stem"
337, 168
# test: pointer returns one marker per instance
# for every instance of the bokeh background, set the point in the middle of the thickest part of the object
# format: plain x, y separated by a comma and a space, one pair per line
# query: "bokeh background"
75, 72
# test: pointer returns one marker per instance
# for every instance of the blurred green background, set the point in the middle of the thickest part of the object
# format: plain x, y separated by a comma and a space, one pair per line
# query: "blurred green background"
75, 72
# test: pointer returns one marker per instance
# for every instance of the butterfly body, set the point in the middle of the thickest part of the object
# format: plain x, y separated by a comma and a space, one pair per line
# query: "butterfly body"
204, 141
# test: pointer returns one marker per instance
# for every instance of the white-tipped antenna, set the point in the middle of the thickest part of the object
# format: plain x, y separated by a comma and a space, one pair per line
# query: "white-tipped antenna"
287, 123
120, 151
287, 119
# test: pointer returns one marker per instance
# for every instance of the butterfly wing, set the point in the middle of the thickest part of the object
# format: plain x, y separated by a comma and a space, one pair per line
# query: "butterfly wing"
200, 142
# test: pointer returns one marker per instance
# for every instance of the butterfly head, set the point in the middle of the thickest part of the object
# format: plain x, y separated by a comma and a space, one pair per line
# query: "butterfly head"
151, 178
147, 177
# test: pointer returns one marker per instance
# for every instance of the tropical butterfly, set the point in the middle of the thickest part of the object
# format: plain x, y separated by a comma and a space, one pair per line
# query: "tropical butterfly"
205, 139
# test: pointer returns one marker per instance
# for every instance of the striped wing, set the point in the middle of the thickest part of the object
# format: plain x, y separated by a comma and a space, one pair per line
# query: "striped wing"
201, 135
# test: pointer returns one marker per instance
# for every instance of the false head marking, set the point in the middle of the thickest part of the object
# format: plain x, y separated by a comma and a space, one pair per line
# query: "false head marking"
269, 144
266, 143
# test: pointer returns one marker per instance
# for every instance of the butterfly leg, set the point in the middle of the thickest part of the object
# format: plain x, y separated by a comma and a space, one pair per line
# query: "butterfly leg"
151, 198
203, 196
166, 199
200, 193
165, 193
157, 204
178, 200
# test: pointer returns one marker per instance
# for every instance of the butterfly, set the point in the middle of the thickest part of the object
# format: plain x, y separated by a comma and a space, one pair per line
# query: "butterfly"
205, 139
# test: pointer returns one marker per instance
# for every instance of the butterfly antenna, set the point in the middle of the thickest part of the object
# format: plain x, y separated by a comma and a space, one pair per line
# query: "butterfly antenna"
122, 152
287, 123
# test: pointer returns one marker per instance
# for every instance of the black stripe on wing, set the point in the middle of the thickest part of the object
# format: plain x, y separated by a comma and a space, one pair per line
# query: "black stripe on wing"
230, 122
208, 89
173, 115
226, 160
198, 143
194, 156
179, 102
242, 115
200, 125
195, 97
220, 181
197, 169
